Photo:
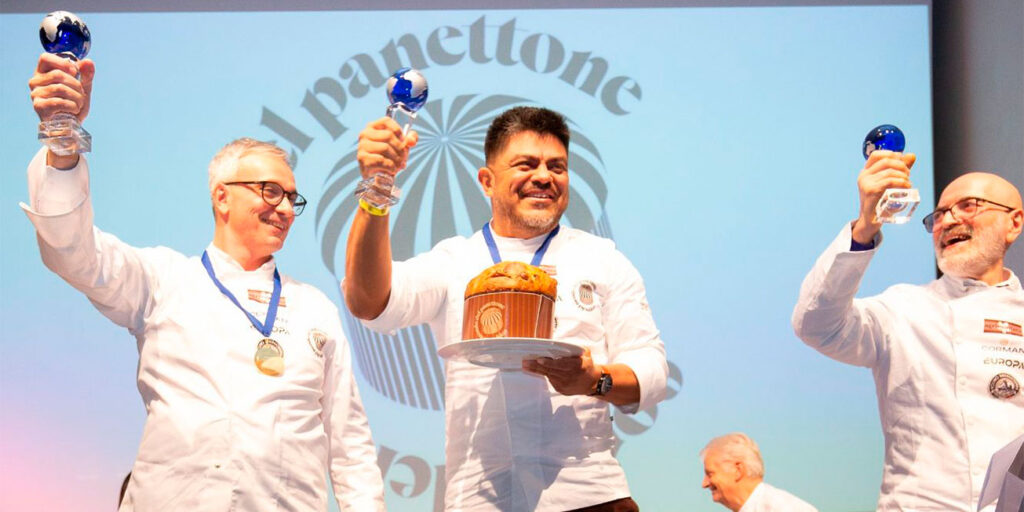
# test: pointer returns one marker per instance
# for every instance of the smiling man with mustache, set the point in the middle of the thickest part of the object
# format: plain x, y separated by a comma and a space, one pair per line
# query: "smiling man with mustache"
540, 439
947, 357
244, 372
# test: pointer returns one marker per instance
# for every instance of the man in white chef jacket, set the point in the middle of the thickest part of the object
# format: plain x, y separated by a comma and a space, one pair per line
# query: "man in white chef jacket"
245, 373
734, 473
947, 357
535, 440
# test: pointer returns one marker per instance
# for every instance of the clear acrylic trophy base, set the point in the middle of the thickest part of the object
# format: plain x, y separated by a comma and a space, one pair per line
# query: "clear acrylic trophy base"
379, 190
64, 135
897, 205
402, 116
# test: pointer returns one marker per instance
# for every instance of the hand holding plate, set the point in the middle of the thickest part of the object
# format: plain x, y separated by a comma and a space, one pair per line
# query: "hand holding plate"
574, 375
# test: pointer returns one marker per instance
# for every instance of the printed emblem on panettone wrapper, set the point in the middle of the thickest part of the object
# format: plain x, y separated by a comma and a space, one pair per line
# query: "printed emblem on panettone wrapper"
508, 314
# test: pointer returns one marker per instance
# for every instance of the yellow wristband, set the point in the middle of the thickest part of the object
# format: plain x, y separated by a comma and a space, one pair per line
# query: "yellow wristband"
371, 209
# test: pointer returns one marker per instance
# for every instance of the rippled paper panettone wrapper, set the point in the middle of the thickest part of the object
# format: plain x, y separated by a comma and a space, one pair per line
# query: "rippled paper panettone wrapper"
508, 315
509, 300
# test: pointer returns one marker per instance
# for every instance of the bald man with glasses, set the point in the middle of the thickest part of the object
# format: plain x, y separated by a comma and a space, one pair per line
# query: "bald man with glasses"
947, 357
245, 373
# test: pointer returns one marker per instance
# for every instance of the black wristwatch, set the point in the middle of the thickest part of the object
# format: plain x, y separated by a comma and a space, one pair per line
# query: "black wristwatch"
604, 385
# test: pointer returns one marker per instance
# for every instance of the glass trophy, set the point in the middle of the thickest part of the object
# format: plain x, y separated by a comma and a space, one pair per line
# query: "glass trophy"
407, 92
897, 204
64, 34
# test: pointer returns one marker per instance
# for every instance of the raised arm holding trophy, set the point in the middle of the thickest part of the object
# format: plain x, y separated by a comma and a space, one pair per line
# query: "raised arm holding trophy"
229, 424
948, 391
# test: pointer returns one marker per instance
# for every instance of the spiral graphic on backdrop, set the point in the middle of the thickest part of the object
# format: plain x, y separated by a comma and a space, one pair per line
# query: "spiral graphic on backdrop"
441, 199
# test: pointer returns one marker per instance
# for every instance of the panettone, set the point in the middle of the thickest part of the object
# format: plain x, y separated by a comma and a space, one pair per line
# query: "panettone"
510, 300
512, 276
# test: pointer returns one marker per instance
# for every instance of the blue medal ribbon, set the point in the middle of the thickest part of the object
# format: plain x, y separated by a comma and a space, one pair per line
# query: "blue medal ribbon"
537, 256
275, 297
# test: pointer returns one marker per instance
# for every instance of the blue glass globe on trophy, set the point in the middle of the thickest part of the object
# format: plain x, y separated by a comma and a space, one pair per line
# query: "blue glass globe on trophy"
407, 93
897, 204
64, 34
885, 136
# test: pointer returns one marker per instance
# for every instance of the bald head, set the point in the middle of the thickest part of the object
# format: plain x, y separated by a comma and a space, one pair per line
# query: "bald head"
984, 185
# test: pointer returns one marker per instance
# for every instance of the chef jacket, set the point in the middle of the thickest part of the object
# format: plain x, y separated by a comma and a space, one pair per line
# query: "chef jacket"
219, 434
945, 358
766, 498
512, 441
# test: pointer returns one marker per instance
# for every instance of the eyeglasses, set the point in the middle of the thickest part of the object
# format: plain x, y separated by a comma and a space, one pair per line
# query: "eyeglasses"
963, 209
273, 194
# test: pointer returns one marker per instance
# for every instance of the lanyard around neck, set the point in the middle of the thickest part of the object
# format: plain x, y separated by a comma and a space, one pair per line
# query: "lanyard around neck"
264, 328
537, 256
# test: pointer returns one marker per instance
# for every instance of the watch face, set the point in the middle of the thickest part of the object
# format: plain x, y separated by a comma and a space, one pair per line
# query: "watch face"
604, 384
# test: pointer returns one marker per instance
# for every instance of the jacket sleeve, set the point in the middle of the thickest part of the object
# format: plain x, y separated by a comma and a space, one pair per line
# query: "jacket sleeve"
355, 476
419, 291
633, 338
117, 278
828, 318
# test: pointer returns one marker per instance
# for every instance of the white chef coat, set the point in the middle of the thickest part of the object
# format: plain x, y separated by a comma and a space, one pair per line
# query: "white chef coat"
766, 498
933, 364
512, 442
219, 434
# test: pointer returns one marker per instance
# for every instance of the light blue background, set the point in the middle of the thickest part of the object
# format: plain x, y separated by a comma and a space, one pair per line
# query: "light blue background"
729, 176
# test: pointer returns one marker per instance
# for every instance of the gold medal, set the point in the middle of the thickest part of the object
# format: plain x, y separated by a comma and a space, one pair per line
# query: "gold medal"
269, 357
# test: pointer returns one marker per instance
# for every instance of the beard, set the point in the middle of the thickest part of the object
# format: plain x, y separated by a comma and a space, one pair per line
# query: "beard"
535, 221
538, 221
985, 249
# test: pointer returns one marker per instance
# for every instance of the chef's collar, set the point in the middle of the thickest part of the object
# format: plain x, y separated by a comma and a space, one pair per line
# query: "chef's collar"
224, 265
524, 242
965, 285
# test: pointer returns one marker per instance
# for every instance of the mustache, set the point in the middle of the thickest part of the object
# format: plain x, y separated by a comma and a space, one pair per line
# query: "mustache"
952, 233
960, 229
548, 189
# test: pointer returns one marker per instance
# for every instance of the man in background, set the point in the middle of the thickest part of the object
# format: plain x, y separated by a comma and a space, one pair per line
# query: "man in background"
734, 473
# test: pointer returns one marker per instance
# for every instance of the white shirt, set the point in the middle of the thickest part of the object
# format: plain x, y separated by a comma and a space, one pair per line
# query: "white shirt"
766, 498
933, 363
219, 434
512, 442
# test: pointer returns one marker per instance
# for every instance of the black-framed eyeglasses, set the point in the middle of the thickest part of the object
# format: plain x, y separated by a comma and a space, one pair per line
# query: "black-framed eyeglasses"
963, 209
273, 194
